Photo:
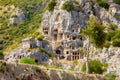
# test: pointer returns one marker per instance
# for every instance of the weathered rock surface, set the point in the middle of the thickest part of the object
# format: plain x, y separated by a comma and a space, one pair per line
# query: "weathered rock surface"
109, 55
9, 71
29, 47
18, 17
69, 24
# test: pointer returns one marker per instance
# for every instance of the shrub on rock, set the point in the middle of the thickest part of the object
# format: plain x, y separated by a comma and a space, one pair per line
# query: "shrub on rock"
67, 6
26, 60
95, 66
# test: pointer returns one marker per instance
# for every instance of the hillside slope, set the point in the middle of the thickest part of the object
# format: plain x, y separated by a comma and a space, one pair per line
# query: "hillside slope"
19, 19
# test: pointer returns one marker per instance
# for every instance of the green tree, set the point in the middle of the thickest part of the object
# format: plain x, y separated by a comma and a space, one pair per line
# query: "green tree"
51, 5
96, 35
96, 32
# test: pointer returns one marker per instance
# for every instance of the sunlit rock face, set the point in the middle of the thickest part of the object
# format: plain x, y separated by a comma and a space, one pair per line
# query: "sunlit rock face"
63, 30
10, 71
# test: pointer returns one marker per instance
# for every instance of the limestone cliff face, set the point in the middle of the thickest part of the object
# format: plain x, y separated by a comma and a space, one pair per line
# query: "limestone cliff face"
110, 16
10, 71
66, 22
62, 28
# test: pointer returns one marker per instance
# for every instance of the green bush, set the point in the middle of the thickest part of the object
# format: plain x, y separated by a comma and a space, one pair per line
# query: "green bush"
1, 54
36, 34
95, 66
111, 76
116, 34
103, 4
67, 6
114, 37
26, 60
107, 44
112, 27
1, 41
110, 35
1, 47
116, 43
117, 1
40, 37
13, 16
51, 5
29, 50
47, 52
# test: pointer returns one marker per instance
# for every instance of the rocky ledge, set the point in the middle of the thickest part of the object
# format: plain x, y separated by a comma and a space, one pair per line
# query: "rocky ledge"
10, 71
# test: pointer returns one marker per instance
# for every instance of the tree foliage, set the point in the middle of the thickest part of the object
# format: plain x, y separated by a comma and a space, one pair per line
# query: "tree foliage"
51, 5
114, 37
40, 37
96, 32
103, 4
117, 1
67, 6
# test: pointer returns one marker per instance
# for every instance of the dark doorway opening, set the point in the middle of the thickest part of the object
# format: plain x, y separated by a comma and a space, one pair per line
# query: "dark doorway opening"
58, 52
36, 60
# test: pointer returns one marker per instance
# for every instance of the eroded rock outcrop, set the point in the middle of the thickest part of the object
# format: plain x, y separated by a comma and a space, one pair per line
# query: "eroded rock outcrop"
17, 16
9, 71
62, 30
29, 47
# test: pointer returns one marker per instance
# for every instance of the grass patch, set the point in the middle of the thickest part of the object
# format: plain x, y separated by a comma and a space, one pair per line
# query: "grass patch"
26, 60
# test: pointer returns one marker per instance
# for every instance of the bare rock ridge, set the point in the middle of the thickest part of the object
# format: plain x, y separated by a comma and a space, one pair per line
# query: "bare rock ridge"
9, 71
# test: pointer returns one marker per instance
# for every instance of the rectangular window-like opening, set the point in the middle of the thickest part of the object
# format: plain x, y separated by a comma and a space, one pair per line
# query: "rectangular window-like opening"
55, 36
67, 36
